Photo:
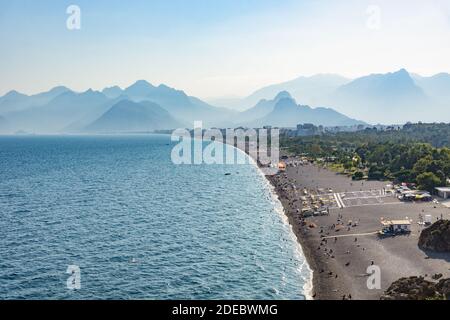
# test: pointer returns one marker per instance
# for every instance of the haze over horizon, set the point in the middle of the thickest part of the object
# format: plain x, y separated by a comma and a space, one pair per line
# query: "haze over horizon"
225, 48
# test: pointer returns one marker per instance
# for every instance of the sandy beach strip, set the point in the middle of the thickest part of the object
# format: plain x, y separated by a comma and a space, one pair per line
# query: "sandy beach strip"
340, 251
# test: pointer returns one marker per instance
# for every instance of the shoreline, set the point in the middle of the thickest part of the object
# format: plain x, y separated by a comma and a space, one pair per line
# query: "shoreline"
311, 263
306, 246
303, 246
308, 287
339, 269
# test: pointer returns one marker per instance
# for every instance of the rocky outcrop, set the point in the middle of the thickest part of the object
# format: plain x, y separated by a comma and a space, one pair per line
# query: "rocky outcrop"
417, 288
436, 237
444, 287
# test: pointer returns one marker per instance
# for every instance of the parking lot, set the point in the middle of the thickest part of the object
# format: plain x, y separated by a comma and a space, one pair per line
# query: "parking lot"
358, 199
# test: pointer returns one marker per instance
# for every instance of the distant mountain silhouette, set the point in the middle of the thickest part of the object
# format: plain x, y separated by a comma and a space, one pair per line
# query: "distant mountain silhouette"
286, 113
14, 101
314, 90
391, 98
262, 108
113, 92
183, 107
60, 112
385, 98
128, 116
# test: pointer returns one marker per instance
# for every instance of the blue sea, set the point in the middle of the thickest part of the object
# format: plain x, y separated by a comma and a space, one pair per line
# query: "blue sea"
138, 226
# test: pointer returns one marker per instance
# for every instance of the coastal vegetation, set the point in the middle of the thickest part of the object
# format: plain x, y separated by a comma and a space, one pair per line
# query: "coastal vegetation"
417, 153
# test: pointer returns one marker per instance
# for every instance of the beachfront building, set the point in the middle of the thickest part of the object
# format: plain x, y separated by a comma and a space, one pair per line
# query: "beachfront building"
443, 192
396, 226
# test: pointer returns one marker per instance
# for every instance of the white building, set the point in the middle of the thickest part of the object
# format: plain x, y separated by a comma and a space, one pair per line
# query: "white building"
443, 192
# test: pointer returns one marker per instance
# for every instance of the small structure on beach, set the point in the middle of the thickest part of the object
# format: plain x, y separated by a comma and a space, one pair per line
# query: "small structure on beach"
395, 226
443, 192
428, 219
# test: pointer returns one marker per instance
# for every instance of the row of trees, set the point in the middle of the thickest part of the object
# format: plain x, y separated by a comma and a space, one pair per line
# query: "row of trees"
418, 163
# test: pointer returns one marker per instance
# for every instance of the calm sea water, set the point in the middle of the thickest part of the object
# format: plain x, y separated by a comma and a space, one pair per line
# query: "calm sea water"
138, 226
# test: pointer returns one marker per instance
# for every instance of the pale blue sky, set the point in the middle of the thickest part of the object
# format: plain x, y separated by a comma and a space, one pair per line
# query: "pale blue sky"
214, 48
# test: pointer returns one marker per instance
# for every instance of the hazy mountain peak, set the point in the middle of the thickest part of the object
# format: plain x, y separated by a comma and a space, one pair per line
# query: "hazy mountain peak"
141, 84
402, 71
401, 74
395, 82
166, 89
283, 95
375, 96
59, 89
14, 94
313, 90
129, 116
286, 113
285, 103
139, 90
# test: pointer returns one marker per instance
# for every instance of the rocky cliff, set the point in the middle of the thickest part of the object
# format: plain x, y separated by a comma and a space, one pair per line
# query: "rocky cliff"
436, 237
417, 288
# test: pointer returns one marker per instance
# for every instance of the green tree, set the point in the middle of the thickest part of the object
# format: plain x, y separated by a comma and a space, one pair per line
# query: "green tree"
422, 165
348, 165
428, 181
358, 175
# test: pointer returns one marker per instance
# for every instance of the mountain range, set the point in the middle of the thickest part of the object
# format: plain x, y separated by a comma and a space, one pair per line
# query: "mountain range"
113, 109
380, 97
283, 111
391, 98
309, 90
15, 101
127, 115
144, 107
183, 107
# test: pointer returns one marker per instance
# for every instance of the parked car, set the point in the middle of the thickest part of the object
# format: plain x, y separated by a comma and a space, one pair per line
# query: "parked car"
424, 197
